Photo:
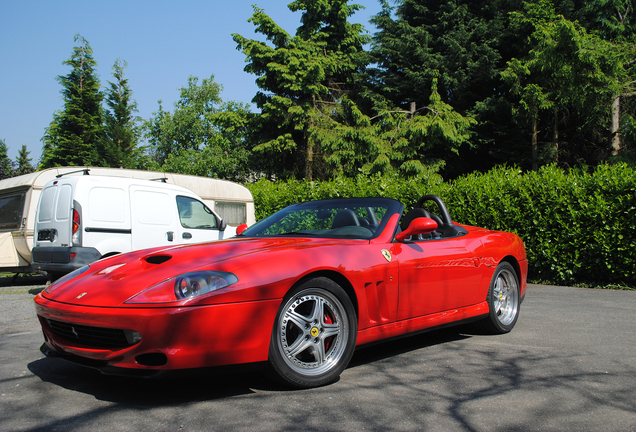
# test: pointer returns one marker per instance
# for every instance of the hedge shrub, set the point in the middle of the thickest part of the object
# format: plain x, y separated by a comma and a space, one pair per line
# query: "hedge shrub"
270, 197
578, 227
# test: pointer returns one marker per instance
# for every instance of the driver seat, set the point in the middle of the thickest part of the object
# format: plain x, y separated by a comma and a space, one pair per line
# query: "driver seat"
345, 218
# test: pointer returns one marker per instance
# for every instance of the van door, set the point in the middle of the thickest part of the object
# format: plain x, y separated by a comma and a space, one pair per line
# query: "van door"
197, 223
154, 218
54, 216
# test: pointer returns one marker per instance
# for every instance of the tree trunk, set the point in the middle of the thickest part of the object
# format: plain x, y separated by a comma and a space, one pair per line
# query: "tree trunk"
535, 150
310, 161
616, 115
310, 148
555, 137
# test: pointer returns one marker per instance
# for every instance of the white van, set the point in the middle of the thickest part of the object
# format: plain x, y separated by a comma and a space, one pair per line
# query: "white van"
81, 219
19, 197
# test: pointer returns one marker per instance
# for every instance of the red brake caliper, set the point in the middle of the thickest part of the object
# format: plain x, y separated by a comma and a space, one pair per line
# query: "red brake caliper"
328, 320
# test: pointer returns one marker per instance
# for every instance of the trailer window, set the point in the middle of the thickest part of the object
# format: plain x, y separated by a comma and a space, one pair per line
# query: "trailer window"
232, 212
11, 208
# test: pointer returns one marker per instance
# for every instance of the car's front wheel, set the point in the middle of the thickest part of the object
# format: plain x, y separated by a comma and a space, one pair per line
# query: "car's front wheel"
503, 300
314, 334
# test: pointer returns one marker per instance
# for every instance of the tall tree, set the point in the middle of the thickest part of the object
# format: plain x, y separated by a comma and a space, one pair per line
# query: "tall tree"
119, 146
6, 167
202, 136
459, 41
411, 142
464, 44
568, 72
301, 79
75, 131
23, 162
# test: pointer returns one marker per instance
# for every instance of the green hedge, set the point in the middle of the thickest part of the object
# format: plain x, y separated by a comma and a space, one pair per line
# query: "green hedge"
270, 197
577, 227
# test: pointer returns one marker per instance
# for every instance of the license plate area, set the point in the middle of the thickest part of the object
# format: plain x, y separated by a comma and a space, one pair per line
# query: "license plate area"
46, 235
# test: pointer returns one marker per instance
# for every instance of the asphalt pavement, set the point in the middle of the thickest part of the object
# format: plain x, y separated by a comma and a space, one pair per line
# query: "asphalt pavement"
569, 365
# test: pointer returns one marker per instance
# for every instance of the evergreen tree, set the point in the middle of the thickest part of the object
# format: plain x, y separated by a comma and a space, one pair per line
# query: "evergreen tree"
23, 162
465, 43
74, 133
119, 146
302, 80
570, 75
411, 142
6, 167
575, 51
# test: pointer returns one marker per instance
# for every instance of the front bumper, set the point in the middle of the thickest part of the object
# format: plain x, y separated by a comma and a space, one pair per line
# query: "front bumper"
62, 259
184, 337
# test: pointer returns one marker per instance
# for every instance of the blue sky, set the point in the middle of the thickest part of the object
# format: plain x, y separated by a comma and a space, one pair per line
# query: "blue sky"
164, 42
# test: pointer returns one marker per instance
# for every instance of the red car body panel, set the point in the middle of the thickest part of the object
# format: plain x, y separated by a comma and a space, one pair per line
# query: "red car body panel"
396, 288
190, 337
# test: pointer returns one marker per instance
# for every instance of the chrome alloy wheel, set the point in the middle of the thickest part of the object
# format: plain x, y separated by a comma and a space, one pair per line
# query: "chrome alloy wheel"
313, 332
505, 297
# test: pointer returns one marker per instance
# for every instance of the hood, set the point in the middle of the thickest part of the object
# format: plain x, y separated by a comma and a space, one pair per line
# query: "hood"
113, 281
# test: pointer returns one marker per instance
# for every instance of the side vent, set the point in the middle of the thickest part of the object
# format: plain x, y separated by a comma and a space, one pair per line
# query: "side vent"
157, 259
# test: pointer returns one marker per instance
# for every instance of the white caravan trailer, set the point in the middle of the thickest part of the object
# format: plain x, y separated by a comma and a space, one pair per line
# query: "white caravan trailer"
19, 197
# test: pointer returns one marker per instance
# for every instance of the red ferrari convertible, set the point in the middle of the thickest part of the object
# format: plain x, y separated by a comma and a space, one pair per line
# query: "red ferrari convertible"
297, 291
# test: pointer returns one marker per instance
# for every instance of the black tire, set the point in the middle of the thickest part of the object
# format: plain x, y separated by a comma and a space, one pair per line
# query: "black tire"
314, 335
503, 300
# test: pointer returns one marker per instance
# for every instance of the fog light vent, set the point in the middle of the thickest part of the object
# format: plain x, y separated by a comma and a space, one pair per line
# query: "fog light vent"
152, 359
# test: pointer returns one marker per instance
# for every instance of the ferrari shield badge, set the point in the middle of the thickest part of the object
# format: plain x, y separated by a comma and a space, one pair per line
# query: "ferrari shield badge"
386, 254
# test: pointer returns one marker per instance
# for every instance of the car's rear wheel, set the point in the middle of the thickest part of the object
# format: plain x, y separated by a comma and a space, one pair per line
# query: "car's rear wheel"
314, 335
503, 300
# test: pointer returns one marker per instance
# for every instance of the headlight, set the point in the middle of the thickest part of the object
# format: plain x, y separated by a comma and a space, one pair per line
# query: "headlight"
185, 286
55, 285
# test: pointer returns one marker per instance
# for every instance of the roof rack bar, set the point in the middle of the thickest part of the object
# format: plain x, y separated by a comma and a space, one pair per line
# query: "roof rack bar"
85, 171
161, 179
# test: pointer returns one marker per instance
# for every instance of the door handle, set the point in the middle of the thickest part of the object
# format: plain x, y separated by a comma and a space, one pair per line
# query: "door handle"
170, 235
186, 235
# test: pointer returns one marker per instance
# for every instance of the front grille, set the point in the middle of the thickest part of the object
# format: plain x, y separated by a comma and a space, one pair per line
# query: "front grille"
96, 337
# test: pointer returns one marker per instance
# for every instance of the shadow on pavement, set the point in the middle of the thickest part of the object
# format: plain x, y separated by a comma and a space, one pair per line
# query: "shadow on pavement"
215, 383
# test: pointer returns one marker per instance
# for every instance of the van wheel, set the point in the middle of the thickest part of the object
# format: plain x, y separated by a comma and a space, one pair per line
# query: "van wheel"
110, 254
53, 276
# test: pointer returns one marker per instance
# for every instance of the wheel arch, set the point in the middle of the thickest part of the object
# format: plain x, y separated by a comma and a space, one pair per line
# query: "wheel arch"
515, 265
337, 278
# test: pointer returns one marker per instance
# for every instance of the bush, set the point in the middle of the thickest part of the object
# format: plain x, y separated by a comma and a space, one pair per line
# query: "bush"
577, 227
270, 197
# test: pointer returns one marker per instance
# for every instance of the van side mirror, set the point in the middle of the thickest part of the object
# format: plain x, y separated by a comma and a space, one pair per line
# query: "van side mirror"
421, 225
222, 225
241, 228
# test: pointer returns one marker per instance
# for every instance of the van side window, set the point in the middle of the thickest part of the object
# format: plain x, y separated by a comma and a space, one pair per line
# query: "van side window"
194, 214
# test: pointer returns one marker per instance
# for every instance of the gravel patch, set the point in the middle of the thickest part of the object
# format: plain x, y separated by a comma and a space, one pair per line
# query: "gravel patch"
17, 312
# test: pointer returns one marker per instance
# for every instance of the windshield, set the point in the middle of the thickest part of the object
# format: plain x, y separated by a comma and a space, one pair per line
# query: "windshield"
356, 218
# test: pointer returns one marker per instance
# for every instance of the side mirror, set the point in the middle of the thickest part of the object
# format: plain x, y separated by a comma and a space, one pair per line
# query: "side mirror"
240, 229
421, 225
222, 225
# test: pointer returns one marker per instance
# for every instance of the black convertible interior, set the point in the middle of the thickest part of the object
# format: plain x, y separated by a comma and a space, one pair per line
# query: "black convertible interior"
445, 226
